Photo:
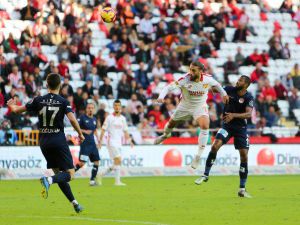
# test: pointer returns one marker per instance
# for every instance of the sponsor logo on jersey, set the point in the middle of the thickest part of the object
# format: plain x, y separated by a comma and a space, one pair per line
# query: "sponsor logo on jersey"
205, 86
196, 93
241, 100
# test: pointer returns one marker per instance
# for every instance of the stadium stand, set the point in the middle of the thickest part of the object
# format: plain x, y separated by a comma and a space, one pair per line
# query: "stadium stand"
150, 45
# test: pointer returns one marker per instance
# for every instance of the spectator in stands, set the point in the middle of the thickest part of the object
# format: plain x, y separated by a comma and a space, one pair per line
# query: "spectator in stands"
205, 48
69, 20
155, 112
158, 70
240, 34
286, 53
154, 88
15, 76
218, 34
268, 90
121, 52
254, 58
11, 44
63, 68
295, 75
271, 117
30, 86
230, 67
140, 116
297, 15
257, 73
93, 76
28, 12
78, 100
276, 51
114, 45
69, 88
276, 38
58, 36
88, 87
174, 63
26, 35
7, 135
294, 101
142, 55
265, 58
132, 104
105, 90
26, 65
239, 57
123, 88
146, 28
141, 76
281, 91
124, 63
141, 95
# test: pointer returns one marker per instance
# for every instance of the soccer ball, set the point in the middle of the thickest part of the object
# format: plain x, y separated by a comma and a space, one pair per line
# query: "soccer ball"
108, 14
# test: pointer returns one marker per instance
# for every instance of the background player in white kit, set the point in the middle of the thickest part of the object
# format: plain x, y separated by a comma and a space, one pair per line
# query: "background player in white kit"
194, 89
115, 124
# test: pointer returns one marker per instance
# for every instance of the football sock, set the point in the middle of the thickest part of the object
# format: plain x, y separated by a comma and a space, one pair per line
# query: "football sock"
167, 130
61, 177
77, 167
108, 170
202, 141
66, 189
94, 172
243, 174
209, 162
117, 171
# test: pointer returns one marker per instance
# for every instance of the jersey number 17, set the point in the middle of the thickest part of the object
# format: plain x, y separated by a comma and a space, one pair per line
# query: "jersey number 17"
46, 110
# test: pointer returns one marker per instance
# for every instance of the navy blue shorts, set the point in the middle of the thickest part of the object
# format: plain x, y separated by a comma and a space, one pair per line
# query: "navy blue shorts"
241, 138
57, 154
89, 152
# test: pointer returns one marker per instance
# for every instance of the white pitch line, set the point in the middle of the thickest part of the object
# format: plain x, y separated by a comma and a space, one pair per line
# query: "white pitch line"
87, 219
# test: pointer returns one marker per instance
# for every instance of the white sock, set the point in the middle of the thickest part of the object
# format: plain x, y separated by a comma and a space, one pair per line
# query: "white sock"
74, 202
202, 140
50, 180
117, 171
108, 170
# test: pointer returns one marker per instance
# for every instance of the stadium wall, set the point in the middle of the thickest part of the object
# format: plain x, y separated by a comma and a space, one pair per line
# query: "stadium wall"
163, 160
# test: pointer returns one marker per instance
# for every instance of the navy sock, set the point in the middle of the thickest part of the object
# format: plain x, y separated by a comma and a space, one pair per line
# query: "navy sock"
94, 172
243, 174
209, 162
66, 189
61, 177
77, 167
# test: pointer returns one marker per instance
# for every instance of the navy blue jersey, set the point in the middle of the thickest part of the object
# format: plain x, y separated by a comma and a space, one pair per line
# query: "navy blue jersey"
88, 123
237, 104
51, 109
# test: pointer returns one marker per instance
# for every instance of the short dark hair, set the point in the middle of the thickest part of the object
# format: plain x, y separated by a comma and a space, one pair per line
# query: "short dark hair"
117, 101
198, 64
53, 81
247, 80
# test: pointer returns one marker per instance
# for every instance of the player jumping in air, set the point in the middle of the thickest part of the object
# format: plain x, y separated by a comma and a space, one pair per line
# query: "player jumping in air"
194, 89
115, 125
88, 149
51, 109
235, 116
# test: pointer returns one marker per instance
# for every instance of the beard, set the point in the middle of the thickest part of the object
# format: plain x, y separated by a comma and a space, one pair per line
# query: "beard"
239, 88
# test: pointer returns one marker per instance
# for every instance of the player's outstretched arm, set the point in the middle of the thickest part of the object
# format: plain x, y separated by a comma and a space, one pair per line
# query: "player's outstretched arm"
16, 108
170, 87
218, 88
75, 125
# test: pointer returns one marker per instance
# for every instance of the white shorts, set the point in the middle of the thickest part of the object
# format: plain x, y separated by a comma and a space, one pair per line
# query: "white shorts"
114, 152
182, 113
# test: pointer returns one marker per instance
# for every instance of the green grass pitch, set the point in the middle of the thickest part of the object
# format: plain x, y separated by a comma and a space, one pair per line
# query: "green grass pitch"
155, 200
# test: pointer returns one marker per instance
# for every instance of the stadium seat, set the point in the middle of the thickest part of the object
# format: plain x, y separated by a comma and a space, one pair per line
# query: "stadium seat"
112, 75
284, 107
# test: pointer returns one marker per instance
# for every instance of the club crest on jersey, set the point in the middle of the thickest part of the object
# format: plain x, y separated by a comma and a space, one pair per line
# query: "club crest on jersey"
189, 86
241, 100
205, 86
